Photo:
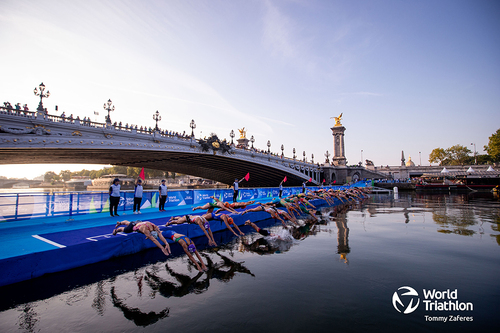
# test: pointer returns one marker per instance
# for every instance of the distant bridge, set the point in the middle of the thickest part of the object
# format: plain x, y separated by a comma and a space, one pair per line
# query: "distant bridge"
36, 137
10, 183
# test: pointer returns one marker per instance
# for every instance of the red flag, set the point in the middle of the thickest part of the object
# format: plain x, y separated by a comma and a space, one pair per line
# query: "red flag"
335, 182
284, 180
310, 180
323, 180
141, 175
247, 177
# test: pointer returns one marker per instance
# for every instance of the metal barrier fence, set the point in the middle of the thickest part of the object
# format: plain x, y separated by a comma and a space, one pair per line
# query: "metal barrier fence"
20, 206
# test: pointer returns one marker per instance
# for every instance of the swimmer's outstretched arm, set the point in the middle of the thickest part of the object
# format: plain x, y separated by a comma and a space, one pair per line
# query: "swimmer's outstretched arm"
253, 225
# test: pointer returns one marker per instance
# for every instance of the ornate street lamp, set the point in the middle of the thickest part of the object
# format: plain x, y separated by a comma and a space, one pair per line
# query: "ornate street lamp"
157, 118
107, 107
193, 126
252, 140
294, 153
268, 150
312, 158
39, 91
282, 148
232, 136
327, 155
304, 154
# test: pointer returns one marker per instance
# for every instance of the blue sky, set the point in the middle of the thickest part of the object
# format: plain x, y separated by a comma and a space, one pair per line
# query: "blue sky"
407, 75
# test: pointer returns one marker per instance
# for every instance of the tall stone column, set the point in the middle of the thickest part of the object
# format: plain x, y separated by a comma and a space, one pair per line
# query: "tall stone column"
338, 158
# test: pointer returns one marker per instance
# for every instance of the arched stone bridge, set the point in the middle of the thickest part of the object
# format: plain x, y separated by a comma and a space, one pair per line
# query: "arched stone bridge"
36, 137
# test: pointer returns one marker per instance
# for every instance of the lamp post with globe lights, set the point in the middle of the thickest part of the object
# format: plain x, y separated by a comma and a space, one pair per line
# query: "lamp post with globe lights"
157, 118
40, 91
268, 150
232, 136
192, 124
108, 107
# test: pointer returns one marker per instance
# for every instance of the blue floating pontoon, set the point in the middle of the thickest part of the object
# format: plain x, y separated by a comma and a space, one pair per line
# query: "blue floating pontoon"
32, 248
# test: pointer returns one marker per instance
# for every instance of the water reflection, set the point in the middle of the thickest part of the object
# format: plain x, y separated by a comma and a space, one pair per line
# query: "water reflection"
465, 214
136, 315
216, 270
186, 284
28, 318
99, 303
147, 288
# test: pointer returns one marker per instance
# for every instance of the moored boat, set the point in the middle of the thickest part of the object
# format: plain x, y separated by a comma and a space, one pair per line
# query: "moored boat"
460, 181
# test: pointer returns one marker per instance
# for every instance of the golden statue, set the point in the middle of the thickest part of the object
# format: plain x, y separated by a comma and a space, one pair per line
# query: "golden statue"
337, 120
243, 133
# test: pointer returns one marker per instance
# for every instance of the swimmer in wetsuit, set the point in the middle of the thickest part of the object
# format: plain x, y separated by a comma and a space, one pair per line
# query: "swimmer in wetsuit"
274, 212
236, 205
228, 221
188, 247
259, 230
150, 230
216, 203
201, 221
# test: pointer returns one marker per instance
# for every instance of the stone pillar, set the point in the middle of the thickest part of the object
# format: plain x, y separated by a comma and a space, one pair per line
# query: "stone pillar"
243, 143
338, 158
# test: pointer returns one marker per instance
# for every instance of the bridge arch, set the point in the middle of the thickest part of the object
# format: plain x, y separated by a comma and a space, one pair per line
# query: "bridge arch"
40, 138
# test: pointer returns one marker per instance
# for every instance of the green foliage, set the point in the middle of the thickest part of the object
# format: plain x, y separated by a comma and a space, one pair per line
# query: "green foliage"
493, 146
455, 155
118, 169
65, 175
438, 155
458, 154
50, 177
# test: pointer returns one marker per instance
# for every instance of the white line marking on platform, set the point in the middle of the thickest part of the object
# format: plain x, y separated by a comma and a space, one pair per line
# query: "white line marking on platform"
48, 241
98, 236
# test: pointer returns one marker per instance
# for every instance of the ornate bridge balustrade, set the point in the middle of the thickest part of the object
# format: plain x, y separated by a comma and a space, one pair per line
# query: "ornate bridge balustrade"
37, 137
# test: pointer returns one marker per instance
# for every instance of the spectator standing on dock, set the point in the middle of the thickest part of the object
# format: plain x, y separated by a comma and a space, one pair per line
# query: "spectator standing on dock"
162, 190
281, 188
114, 197
304, 187
138, 196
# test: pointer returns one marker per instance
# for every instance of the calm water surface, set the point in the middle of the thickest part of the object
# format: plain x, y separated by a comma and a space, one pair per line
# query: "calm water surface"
338, 275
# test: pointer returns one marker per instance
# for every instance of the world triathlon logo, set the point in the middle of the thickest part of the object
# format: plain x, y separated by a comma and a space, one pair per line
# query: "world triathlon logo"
405, 300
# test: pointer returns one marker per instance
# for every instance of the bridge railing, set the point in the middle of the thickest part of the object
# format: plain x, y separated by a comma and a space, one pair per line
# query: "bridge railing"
22, 206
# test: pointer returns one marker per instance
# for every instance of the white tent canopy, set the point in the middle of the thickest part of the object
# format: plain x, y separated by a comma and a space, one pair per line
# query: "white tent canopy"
490, 168
444, 170
470, 170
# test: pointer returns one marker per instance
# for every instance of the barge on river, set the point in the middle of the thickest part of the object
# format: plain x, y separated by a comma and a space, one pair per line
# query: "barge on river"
469, 180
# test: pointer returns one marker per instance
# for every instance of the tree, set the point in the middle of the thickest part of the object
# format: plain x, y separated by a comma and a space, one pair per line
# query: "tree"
493, 146
50, 176
65, 175
455, 155
438, 155
458, 154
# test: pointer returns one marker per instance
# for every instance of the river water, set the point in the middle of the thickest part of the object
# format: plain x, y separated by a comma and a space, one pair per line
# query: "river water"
342, 274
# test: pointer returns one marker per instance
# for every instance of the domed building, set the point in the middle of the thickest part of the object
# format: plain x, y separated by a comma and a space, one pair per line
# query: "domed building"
410, 162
